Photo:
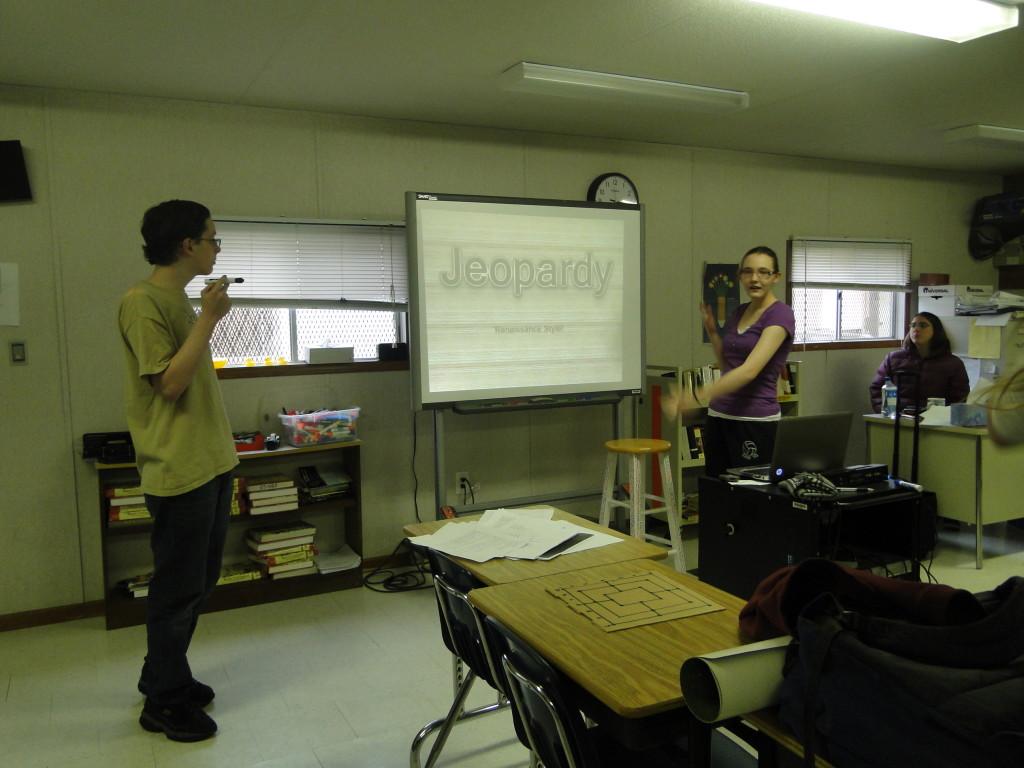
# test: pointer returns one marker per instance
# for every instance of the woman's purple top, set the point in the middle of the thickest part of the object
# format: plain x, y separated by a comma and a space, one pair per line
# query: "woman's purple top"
759, 398
941, 376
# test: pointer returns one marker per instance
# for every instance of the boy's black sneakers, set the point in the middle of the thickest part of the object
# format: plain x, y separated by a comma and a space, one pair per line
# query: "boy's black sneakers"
179, 722
198, 693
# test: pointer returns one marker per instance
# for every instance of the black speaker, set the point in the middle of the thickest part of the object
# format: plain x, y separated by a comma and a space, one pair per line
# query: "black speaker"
397, 351
13, 174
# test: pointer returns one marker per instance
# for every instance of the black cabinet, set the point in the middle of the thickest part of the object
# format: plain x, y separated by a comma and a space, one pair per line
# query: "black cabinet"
747, 532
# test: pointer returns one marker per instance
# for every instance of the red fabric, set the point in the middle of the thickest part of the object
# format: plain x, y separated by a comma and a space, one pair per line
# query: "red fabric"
780, 597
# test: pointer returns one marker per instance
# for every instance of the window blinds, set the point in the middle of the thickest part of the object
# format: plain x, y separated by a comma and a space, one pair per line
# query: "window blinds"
870, 265
311, 263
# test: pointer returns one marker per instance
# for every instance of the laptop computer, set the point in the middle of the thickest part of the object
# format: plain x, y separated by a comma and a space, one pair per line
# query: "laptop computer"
804, 444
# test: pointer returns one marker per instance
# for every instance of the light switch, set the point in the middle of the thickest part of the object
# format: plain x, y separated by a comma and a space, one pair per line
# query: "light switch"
18, 354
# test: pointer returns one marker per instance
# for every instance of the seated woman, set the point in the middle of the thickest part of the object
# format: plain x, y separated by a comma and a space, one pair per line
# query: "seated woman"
925, 352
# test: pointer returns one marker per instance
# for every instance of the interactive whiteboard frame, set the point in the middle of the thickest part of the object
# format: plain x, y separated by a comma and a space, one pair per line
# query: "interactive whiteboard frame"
523, 301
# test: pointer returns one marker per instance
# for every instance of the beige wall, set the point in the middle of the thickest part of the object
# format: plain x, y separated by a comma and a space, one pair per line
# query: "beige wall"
98, 161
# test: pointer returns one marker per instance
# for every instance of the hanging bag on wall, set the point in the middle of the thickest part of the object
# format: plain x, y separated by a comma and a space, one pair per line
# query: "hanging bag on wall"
872, 691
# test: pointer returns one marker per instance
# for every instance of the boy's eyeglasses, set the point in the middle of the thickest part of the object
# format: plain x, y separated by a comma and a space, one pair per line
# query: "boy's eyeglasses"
214, 240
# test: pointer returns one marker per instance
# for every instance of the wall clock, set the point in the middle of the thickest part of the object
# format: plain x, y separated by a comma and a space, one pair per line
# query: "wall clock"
613, 188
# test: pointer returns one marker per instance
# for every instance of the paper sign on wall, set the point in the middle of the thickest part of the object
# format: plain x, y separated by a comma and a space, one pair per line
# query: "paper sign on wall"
984, 341
9, 311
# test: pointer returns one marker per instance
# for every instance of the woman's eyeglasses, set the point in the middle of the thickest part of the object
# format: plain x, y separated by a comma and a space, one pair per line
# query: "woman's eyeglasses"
748, 272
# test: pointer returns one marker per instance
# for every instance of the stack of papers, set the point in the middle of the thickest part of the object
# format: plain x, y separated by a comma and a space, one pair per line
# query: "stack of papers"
525, 534
345, 559
998, 303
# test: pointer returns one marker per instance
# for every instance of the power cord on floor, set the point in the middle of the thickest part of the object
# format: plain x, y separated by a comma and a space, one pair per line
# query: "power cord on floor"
405, 579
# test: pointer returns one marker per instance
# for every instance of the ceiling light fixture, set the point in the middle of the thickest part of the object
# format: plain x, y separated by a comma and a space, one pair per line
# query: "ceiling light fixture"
562, 81
987, 134
953, 20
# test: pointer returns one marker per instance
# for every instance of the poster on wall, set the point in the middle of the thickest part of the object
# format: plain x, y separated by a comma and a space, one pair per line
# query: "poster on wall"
721, 293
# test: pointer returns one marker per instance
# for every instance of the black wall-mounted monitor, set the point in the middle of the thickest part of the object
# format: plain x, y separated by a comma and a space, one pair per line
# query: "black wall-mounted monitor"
13, 174
521, 298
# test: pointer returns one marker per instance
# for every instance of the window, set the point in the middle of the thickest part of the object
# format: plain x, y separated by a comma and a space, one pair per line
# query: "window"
848, 292
308, 284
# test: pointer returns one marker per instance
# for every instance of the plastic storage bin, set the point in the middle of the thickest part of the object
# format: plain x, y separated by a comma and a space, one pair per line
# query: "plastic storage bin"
320, 426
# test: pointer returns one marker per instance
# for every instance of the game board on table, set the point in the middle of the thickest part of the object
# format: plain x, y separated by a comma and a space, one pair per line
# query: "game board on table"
633, 601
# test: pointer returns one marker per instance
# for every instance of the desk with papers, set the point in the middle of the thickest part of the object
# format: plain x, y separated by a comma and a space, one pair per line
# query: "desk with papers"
631, 676
595, 550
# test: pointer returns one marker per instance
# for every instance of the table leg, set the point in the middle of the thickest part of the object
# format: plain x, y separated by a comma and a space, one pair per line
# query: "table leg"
978, 528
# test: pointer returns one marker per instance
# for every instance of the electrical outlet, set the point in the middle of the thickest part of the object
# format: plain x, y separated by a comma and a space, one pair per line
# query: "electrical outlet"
461, 478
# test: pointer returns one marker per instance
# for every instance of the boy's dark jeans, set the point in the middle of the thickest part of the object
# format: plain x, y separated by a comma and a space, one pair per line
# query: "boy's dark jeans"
187, 543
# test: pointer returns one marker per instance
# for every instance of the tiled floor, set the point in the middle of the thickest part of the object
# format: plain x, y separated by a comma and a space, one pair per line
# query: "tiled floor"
338, 680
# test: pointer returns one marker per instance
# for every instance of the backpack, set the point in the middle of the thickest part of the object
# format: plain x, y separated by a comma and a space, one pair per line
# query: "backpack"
881, 691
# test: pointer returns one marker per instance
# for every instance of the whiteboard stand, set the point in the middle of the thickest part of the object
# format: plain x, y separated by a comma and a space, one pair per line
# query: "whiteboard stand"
441, 489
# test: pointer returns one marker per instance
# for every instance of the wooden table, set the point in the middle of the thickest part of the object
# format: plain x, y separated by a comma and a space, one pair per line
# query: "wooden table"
632, 673
505, 571
635, 672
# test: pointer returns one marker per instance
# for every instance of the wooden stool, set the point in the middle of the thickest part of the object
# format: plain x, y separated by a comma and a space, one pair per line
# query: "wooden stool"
637, 450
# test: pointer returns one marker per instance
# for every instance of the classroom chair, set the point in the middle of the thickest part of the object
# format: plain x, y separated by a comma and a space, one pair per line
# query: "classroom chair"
460, 631
558, 734
638, 449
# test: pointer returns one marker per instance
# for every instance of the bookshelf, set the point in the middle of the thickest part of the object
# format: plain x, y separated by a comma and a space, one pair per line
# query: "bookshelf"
687, 454
338, 521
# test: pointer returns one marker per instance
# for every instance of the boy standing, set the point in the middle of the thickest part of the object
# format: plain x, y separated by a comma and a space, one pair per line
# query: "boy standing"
184, 451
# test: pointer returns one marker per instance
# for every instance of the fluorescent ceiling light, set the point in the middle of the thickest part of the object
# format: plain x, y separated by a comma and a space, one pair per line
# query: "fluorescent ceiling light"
954, 20
987, 134
561, 81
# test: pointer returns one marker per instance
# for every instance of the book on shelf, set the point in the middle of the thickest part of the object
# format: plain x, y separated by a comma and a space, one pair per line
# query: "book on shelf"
136, 586
266, 509
118, 491
268, 482
263, 546
326, 476
323, 493
691, 442
128, 512
345, 559
232, 573
319, 483
309, 569
126, 501
294, 565
273, 493
138, 522
698, 439
275, 557
785, 386
307, 547
284, 531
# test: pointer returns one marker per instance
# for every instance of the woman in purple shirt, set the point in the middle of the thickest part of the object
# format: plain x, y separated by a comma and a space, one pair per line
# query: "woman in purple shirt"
743, 405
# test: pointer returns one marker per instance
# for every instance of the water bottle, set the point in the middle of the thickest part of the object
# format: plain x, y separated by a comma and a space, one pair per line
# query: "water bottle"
888, 398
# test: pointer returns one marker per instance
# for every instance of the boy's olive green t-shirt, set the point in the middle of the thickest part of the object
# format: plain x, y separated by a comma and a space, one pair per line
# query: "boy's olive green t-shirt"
179, 446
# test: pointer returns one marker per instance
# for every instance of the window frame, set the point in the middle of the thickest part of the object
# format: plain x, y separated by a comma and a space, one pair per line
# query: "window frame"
299, 367
860, 343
